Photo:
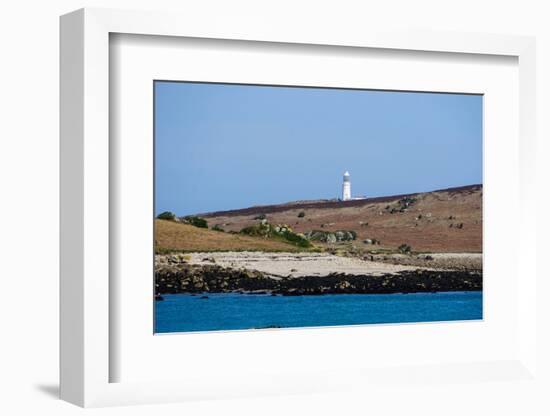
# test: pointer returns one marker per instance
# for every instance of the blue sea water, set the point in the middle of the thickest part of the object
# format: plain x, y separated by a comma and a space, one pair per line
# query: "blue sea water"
211, 312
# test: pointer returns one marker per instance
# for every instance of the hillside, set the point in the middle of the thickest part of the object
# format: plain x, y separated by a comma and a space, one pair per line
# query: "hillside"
175, 236
448, 220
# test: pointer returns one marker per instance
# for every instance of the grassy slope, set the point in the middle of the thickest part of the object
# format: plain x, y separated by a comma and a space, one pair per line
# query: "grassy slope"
173, 236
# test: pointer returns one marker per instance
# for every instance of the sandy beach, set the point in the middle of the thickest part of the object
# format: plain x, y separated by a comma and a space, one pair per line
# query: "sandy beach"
296, 264
440, 261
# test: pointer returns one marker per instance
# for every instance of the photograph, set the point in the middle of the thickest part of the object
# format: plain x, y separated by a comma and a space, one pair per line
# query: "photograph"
297, 206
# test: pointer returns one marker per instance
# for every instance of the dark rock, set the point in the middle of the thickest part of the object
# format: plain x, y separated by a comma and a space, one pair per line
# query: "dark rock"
194, 279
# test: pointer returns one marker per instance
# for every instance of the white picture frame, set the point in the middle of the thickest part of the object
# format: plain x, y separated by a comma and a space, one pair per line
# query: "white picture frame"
86, 327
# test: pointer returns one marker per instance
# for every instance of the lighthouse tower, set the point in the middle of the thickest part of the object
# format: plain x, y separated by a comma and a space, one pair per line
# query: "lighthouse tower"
346, 188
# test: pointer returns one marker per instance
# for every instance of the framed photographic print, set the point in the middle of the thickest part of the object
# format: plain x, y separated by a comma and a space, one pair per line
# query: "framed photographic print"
258, 226
263, 211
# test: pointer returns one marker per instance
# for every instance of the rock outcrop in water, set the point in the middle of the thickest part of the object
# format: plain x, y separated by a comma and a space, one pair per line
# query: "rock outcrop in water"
186, 278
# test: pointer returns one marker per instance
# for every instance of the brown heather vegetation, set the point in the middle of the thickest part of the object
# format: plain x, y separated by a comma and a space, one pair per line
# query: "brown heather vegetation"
447, 220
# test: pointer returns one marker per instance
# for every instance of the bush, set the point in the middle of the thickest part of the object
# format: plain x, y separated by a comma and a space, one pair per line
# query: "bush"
258, 230
218, 228
296, 239
166, 215
331, 236
302, 214
404, 249
282, 232
197, 222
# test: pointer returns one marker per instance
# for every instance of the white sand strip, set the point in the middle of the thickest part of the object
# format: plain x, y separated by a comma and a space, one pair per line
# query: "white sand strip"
296, 264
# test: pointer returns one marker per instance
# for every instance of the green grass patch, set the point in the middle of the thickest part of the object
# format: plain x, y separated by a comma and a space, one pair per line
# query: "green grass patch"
278, 232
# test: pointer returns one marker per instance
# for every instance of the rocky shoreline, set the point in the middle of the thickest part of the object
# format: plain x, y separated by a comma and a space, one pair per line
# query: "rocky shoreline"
182, 277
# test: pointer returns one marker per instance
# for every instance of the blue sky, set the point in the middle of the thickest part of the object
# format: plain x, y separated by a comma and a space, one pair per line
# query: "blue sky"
221, 146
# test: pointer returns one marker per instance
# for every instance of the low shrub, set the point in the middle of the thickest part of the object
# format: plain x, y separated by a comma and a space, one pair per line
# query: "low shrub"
197, 221
282, 232
404, 249
296, 239
257, 230
166, 215
331, 236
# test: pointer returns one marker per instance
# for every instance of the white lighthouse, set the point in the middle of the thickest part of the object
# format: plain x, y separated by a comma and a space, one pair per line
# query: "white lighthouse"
346, 187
